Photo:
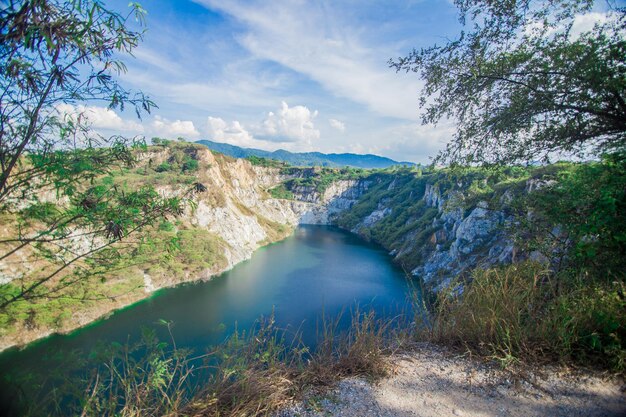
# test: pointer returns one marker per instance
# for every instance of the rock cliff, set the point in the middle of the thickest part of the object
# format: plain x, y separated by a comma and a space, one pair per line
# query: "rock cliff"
221, 226
430, 225
425, 221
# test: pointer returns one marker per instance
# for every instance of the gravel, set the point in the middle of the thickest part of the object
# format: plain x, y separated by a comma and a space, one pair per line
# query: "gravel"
432, 381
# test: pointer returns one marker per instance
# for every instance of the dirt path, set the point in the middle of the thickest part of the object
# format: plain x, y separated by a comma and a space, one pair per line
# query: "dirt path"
433, 382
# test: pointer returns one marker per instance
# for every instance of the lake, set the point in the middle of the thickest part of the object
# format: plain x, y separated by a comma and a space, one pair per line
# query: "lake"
317, 269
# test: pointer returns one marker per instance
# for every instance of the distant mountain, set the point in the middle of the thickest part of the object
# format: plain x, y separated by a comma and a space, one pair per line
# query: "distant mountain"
307, 158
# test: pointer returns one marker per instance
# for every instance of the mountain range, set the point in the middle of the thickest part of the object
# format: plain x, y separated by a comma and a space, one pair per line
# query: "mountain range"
306, 158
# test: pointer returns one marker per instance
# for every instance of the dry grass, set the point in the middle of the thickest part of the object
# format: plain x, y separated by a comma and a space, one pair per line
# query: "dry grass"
251, 374
523, 313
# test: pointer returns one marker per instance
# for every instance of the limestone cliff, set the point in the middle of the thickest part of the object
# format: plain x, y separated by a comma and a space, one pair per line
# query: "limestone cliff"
222, 225
435, 226
426, 220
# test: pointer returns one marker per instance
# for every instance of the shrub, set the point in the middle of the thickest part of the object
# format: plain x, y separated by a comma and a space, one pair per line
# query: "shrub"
281, 192
190, 165
164, 167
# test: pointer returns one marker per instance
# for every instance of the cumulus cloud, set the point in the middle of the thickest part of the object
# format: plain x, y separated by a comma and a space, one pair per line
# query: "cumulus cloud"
290, 124
166, 128
336, 124
232, 133
99, 118
290, 128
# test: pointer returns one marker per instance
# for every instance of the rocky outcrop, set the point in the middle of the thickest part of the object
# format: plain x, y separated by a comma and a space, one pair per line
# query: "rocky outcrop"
433, 237
462, 243
438, 247
313, 207
234, 210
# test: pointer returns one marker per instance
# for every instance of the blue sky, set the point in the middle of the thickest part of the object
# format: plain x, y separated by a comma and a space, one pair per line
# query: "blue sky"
297, 75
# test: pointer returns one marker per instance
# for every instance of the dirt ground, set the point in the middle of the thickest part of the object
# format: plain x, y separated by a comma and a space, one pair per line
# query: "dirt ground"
432, 381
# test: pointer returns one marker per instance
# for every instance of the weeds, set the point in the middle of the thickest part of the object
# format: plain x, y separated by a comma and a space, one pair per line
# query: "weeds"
524, 313
254, 372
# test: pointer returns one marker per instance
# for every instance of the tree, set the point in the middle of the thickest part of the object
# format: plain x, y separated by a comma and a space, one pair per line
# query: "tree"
523, 85
53, 199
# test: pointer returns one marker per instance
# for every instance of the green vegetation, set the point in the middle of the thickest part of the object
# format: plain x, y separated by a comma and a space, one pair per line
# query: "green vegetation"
182, 157
319, 179
266, 162
281, 192
166, 253
64, 53
166, 249
588, 203
571, 309
521, 84
411, 227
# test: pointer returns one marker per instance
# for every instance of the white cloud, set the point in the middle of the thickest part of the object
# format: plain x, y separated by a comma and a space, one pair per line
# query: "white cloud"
312, 40
411, 142
290, 124
99, 118
290, 128
168, 129
156, 59
585, 22
232, 133
582, 23
336, 124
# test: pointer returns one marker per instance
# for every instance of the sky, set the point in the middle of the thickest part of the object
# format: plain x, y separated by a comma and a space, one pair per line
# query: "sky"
295, 75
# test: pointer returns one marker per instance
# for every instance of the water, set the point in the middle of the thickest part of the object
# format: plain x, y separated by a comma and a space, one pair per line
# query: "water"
319, 268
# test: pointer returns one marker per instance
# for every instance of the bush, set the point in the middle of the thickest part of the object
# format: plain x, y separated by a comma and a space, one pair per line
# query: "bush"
166, 227
164, 167
45, 212
190, 165
281, 192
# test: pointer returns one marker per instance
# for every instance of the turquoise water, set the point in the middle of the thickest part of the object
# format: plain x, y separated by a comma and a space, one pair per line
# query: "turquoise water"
318, 268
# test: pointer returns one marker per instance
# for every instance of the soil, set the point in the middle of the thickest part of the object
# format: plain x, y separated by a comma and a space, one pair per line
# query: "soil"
433, 381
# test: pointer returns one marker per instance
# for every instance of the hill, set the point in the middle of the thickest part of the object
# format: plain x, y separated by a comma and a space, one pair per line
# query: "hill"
307, 158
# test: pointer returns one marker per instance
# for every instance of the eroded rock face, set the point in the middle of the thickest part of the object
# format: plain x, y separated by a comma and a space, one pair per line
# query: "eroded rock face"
462, 238
476, 239
312, 207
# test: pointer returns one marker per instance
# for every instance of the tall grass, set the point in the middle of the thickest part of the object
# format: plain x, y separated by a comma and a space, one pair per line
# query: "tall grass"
525, 313
252, 373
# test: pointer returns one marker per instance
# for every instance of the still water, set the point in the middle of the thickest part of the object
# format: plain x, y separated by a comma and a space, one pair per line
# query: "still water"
318, 269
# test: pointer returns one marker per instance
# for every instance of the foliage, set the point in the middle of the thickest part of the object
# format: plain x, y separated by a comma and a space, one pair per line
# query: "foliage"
266, 162
166, 248
182, 158
55, 54
579, 217
253, 372
318, 178
281, 192
522, 85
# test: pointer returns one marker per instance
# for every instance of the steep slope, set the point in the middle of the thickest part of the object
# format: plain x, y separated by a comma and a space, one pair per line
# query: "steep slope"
440, 224
437, 224
225, 221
